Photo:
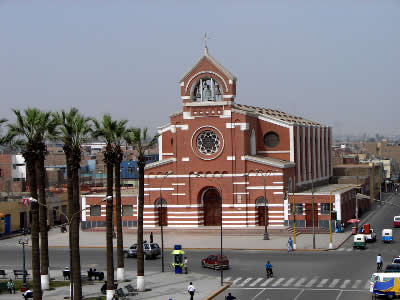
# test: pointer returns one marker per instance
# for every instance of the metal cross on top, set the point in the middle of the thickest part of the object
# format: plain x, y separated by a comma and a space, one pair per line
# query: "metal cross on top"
206, 38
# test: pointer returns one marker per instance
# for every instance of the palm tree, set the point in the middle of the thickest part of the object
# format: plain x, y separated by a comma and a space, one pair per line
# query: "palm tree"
73, 130
3, 139
30, 132
106, 132
139, 139
119, 135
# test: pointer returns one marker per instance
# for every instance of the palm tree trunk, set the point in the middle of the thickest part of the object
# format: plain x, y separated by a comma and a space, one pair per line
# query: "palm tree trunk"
76, 259
120, 242
44, 243
70, 192
109, 225
140, 258
37, 290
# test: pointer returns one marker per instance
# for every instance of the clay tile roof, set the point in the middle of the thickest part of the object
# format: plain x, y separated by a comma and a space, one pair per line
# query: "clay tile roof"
275, 114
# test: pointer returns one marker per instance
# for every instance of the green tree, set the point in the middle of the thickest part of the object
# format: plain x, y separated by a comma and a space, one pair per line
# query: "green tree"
119, 136
106, 132
73, 130
30, 132
3, 138
139, 139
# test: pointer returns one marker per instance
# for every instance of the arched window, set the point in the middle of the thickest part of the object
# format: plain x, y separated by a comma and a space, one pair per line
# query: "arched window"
260, 201
253, 143
157, 203
207, 89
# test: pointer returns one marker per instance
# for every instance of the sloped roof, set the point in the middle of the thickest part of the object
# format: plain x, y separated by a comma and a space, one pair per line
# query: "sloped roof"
214, 62
274, 114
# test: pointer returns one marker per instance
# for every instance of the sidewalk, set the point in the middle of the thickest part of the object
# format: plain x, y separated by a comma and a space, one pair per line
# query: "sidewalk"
161, 286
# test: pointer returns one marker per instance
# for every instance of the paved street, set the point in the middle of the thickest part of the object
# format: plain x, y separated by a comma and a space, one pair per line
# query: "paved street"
338, 274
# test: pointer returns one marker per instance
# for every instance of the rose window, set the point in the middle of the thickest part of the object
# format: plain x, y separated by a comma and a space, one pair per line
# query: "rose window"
208, 142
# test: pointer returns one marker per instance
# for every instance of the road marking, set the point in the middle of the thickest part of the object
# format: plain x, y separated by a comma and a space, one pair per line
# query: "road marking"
349, 249
256, 281
266, 282
298, 295
356, 284
322, 283
236, 280
340, 249
289, 282
245, 281
311, 282
255, 297
226, 279
300, 282
340, 294
333, 283
278, 282
367, 285
345, 284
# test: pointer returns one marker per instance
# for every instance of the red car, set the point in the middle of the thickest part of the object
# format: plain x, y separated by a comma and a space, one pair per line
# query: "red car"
215, 262
396, 221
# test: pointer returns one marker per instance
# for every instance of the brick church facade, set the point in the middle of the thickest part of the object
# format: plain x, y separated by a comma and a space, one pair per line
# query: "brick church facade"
220, 160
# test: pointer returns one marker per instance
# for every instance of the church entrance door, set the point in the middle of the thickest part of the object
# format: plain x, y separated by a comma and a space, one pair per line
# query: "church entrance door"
212, 208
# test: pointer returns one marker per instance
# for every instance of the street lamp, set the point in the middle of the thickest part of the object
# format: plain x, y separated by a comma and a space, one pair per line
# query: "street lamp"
23, 242
266, 235
162, 221
220, 190
69, 220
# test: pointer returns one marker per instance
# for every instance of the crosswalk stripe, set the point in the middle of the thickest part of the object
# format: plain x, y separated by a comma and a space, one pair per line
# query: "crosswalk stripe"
356, 284
278, 282
322, 283
289, 282
236, 280
266, 282
333, 283
367, 284
256, 281
311, 282
349, 249
340, 249
345, 284
227, 278
245, 281
300, 282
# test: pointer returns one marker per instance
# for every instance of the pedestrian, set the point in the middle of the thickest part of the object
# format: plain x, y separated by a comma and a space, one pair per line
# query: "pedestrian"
103, 288
191, 289
28, 294
66, 274
230, 297
290, 245
11, 286
185, 264
379, 262
151, 237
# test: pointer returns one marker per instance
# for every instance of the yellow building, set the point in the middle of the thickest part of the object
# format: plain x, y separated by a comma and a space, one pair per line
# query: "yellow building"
15, 215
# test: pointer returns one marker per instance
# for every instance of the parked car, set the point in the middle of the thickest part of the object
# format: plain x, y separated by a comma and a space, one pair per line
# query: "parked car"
392, 268
215, 262
396, 221
396, 260
150, 250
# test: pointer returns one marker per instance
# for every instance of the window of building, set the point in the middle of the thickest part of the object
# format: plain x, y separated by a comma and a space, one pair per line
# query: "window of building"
95, 210
325, 208
0, 172
298, 208
271, 139
127, 210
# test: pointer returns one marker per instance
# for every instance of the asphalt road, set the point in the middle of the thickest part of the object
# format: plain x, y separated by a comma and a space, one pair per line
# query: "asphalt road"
339, 274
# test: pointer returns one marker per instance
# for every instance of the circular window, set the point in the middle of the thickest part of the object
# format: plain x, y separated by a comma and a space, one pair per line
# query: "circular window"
271, 139
208, 142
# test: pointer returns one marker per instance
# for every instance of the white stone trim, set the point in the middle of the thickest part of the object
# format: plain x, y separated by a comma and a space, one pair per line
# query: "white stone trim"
185, 159
160, 163
267, 187
239, 217
178, 226
277, 182
230, 158
178, 194
214, 175
226, 114
304, 154
160, 156
185, 97
181, 183
184, 212
187, 115
239, 193
243, 126
309, 154
229, 96
84, 205
174, 205
291, 136
314, 174
319, 151
184, 217
183, 222
274, 121
242, 182
159, 189
206, 72
167, 154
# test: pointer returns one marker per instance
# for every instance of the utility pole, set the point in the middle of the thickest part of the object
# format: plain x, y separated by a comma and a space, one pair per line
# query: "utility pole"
312, 209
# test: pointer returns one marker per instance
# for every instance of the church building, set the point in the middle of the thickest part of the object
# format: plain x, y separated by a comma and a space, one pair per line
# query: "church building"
224, 161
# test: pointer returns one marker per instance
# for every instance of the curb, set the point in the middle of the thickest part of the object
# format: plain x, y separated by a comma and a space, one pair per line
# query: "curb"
219, 291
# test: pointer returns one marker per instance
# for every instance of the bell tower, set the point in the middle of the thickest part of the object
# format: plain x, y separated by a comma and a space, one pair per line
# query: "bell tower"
207, 83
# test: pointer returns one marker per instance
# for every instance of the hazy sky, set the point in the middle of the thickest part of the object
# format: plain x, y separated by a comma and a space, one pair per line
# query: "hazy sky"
336, 62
